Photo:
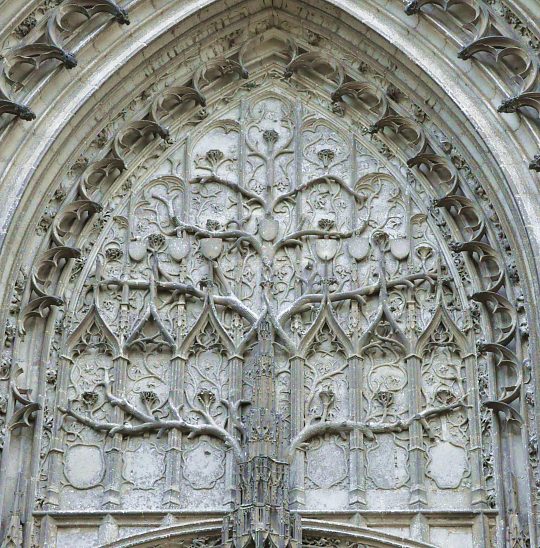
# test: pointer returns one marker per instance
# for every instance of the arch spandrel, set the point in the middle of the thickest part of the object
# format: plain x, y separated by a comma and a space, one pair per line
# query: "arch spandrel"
291, 260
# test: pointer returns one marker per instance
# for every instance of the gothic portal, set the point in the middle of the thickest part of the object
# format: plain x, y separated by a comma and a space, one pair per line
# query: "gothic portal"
269, 273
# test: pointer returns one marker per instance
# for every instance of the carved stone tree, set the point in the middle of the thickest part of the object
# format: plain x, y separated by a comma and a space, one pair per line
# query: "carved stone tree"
272, 298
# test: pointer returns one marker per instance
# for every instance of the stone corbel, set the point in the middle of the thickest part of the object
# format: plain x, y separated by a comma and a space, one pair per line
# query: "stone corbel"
22, 416
504, 357
490, 37
8, 106
57, 25
48, 262
440, 171
68, 216
213, 70
484, 255
104, 170
137, 135
49, 45
503, 314
34, 55
413, 134
171, 99
315, 60
459, 206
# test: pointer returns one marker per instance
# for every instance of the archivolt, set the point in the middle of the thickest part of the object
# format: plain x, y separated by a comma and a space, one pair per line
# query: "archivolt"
101, 134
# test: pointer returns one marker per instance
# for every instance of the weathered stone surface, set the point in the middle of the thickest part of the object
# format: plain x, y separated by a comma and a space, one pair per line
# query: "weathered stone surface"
269, 274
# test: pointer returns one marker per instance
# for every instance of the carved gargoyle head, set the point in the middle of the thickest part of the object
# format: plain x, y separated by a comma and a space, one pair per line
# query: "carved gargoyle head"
508, 105
464, 53
412, 7
68, 59
455, 246
535, 163
24, 113
121, 17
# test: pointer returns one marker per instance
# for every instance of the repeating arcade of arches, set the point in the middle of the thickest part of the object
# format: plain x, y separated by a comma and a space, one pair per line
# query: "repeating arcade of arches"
494, 292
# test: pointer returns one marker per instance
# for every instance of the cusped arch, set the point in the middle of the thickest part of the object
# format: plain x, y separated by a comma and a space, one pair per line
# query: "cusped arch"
93, 316
325, 317
208, 316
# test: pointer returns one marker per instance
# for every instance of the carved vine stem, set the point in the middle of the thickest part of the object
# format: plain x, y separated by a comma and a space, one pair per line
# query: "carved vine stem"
149, 423
315, 298
311, 431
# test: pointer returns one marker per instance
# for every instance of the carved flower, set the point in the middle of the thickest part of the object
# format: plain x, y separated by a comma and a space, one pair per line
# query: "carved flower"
326, 224
270, 136
113, 253
155, 241
214, 156
393, 381
384, 397
150, 398
206, 397
342, 271
326, 155
89, 398
212, 225
282, 185
445, 396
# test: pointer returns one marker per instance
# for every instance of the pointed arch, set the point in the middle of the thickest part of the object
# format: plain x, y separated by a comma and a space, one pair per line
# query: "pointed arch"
207, 316
473, 136
93, 316
151, 314
384, 315
442, 317
325, 316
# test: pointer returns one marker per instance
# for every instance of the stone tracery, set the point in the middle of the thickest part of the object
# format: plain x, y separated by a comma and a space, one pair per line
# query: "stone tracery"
305, 229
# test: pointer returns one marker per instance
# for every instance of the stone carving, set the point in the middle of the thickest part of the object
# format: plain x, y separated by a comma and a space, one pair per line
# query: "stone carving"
84, 466
47, 41
270, 305
493, 37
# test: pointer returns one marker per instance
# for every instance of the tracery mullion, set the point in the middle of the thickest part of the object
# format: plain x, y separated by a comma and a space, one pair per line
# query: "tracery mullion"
478, 492
173, 460
236, 362
58, 436
418, 495
56, 451
114, 446
10, 408
357, 465
297, 362
357, 483
487, 330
